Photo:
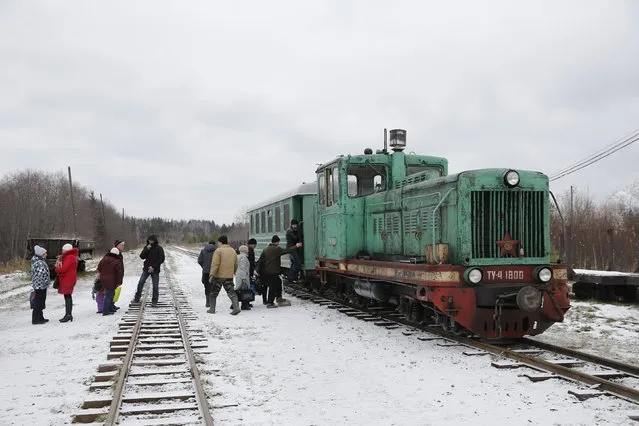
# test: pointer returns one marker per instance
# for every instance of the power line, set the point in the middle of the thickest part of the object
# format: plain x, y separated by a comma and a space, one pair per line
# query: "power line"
624, 142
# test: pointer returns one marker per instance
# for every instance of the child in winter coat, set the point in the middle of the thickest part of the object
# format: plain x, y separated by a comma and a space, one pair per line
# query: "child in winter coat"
40, 280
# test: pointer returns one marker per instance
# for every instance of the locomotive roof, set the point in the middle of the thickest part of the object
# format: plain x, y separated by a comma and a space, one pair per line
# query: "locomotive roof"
306, 188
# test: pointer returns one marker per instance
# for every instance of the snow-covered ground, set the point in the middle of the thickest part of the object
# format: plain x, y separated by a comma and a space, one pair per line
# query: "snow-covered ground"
604, 329
298, 365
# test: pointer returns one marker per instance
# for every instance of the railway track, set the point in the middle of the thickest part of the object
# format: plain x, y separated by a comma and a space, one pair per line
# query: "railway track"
151, 376
593, 376
540, 361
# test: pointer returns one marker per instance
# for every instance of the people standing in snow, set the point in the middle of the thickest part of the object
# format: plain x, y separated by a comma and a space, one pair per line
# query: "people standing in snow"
223, 267
40, 280
111, 270
242, 275
67, 269
153, 255
204, 260
269, 268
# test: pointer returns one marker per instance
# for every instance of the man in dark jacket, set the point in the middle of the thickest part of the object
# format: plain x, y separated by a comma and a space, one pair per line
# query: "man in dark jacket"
204, 259
269, 266
153, 255
292, 238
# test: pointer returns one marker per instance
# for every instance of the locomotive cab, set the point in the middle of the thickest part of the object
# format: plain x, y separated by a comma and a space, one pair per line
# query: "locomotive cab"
351, 188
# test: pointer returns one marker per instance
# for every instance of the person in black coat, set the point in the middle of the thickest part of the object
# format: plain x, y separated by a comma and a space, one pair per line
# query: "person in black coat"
153, 255
204, 260
292, 238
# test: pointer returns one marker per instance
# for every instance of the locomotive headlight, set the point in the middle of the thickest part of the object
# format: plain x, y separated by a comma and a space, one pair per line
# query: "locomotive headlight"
544, 274
474, 275
511, 178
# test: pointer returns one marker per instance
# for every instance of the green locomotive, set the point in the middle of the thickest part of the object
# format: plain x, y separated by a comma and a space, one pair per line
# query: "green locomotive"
469, 250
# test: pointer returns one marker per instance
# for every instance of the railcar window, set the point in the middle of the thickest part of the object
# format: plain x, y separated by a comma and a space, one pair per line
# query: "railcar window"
365, 179
278, 222
287, 215
263, 223
269, 215
252, 224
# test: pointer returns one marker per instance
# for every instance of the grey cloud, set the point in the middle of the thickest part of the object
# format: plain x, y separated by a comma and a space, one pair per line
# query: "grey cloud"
183, 110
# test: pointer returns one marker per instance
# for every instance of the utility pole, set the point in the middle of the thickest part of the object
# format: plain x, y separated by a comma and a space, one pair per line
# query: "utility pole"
103, 215
570, 251
72, 201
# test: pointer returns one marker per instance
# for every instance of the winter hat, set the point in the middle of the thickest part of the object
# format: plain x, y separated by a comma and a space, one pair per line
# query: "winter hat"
294, 222
252, 241
66, 247
243, 249
117, 242
115, 251
39, 251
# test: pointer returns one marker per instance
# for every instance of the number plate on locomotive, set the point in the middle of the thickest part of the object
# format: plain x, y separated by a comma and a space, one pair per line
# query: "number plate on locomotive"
507, 274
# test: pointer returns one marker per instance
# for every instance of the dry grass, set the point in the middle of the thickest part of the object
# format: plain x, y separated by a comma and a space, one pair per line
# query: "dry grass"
15, 265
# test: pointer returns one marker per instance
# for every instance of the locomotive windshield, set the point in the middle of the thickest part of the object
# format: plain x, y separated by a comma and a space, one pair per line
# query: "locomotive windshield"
366, 179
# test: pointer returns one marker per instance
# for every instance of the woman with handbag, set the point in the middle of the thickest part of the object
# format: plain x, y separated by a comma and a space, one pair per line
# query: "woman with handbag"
243, 279
67, 269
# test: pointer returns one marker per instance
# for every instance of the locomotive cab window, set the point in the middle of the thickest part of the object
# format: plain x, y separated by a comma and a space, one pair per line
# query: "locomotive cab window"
328, 187
366, 179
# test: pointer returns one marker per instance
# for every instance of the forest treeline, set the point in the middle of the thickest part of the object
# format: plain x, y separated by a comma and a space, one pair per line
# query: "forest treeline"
39, 204
605, 235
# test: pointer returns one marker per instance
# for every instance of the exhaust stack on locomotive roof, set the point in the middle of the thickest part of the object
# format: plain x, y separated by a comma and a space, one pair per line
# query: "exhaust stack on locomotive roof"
398, 139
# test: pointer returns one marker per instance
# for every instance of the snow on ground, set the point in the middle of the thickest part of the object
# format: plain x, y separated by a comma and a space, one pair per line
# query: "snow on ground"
298, 365
46, 369
604, 329
309, 365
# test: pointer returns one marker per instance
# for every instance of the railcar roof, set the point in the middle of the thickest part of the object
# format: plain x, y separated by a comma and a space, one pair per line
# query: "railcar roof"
306, 188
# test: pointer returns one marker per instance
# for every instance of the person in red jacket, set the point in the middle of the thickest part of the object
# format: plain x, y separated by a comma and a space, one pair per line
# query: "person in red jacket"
111, 269
67, 269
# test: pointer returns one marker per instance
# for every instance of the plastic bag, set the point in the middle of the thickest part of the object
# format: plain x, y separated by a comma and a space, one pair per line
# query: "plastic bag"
116, 296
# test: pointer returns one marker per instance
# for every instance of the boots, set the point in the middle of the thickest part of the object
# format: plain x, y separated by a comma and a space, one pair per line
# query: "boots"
68, 305
235, 304
211, 304
283, 302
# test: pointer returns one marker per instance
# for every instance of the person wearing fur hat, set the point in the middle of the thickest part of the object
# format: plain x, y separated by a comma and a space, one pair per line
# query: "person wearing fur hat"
40, 280
111, 270
67, 269
153, 255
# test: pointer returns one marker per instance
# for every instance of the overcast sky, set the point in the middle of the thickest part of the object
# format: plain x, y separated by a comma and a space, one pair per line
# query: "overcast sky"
191, 109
